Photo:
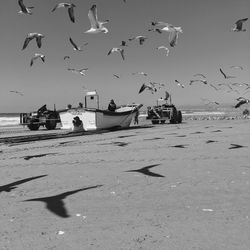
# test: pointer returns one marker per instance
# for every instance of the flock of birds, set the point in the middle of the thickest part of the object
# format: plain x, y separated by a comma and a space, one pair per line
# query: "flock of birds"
97, 26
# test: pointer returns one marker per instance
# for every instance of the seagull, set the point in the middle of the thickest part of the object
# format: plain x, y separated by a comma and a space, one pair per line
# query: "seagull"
237, 67
121, 51
116, 76
226, 76
66, 57
124, 44
198, 80
199, 75
79, 71
146, 171
179, 84
37, 55
241, 102
213, 86
55, 204
17, 92
238, 26
77, 48
96, 26
141, 39
156, 30
31, 36
140, 73
147, 86
174, 31
70, 7
165, 48
24, 9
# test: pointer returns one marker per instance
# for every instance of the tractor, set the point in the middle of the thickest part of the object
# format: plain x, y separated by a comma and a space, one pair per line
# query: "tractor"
160, 113
42, 117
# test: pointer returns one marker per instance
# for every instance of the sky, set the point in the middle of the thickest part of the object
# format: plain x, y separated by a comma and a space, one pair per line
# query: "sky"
205, 46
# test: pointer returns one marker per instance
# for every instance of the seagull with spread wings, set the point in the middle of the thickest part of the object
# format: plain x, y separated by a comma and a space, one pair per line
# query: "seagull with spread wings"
121, 51
238, 26
226, 76
179, 84
37, 55
79, 71
165, 48
149, 86
17, 92
70, 7
141, 39
197, 80
24, 9
241, 102
174, 31
76, 47
31, 36
96, 26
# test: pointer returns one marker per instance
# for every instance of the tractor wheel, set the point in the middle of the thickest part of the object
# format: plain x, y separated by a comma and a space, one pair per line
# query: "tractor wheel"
33, 124
162, 121
51, 122
155, 121
173, 118
179, 117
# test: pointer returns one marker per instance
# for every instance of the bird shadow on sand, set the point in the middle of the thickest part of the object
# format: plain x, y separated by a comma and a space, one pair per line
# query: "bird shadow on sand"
179, 146
124, 136
197, 132
216, 131
155, 138
210, 141
9, 187
28, 157
235, 146
146, 171
56, 205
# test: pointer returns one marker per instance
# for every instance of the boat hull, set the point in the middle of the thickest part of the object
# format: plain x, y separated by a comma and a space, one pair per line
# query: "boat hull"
95, 119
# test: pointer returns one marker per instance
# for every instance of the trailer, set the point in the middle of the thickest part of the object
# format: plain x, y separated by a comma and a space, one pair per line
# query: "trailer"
41, 117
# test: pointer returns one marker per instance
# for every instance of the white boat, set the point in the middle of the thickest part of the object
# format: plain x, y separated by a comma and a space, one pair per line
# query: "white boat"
98, 119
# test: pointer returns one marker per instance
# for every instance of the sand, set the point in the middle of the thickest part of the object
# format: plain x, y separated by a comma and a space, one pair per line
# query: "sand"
196, 196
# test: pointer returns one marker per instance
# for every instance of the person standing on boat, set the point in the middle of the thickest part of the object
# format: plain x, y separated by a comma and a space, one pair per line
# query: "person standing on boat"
112, 105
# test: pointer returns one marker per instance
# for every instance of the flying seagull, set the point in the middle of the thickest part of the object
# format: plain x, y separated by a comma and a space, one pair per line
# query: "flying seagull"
140, 73
75, 47
96, 26
237, 67
116, 76
226, 76
55, 203
70, 7
124, 44
238, 26
37, 55
66, 57
198, 80
174, 31
31, 36
156, 30
121, 51
141, 39
24, 9
179, 84
79, 71
146, 171
203, 76
165, 48
147, 86
241, 102
17, 92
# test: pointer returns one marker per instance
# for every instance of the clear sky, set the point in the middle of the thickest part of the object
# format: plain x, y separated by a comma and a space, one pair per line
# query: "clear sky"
205, 45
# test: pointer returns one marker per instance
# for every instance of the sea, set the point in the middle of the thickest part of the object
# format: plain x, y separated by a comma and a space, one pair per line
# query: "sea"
12, 120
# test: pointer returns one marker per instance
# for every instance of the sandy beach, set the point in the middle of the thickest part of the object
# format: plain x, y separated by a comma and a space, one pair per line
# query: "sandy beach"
84, 192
